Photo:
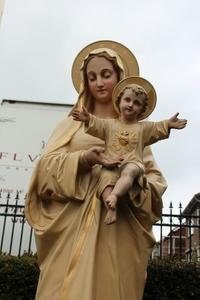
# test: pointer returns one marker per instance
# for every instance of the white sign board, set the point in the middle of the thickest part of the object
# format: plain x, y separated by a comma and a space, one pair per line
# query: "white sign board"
24, 130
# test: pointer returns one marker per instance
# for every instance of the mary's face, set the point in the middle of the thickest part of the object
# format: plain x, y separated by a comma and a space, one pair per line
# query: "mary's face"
102, 78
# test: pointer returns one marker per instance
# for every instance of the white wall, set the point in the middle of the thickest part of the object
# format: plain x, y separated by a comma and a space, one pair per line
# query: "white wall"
24, 129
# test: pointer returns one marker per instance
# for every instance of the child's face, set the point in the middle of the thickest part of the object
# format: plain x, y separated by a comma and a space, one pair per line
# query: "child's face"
131, 105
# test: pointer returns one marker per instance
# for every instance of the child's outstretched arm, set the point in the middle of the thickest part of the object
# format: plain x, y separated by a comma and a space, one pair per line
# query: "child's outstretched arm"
81, 115
176, 123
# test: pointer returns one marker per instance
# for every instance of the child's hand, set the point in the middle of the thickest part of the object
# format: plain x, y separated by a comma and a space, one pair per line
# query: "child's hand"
176, 123
81, 115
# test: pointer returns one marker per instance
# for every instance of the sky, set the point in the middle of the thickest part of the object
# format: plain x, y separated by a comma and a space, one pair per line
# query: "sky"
39, 40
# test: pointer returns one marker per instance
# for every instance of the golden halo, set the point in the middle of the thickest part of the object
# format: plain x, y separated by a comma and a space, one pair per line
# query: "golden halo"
129, 61
145, 84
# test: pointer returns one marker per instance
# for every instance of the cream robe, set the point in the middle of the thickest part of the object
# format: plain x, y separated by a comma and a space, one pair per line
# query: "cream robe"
80, 257
127, 141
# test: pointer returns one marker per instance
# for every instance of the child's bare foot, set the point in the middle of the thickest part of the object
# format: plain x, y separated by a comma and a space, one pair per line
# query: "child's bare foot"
111, 216
111, 201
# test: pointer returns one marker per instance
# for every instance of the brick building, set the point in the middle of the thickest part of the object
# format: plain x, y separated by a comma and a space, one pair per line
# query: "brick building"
183, 239
193, 233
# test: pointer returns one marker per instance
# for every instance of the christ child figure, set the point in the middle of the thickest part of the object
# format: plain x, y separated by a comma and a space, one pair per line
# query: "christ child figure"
134, 99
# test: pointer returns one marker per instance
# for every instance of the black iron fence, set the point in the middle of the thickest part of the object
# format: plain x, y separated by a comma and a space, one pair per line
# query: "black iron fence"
177, 235
16, 236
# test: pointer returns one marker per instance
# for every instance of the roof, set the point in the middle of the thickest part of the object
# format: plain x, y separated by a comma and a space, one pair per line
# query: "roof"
192, 205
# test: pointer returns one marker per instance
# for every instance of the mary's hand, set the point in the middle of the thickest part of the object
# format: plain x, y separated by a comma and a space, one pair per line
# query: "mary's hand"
96, 155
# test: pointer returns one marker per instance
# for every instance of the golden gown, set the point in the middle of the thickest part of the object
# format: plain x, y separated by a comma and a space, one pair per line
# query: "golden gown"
80, 257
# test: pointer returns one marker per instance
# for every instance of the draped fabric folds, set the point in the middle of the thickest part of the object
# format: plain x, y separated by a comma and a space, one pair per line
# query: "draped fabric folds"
79, 256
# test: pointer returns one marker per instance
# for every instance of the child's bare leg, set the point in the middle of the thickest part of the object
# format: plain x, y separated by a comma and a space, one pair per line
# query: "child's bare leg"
111, 215
123, 184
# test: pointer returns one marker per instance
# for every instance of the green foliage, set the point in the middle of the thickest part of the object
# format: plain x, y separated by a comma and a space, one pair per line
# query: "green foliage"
172, 280
18, 277
166, 280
